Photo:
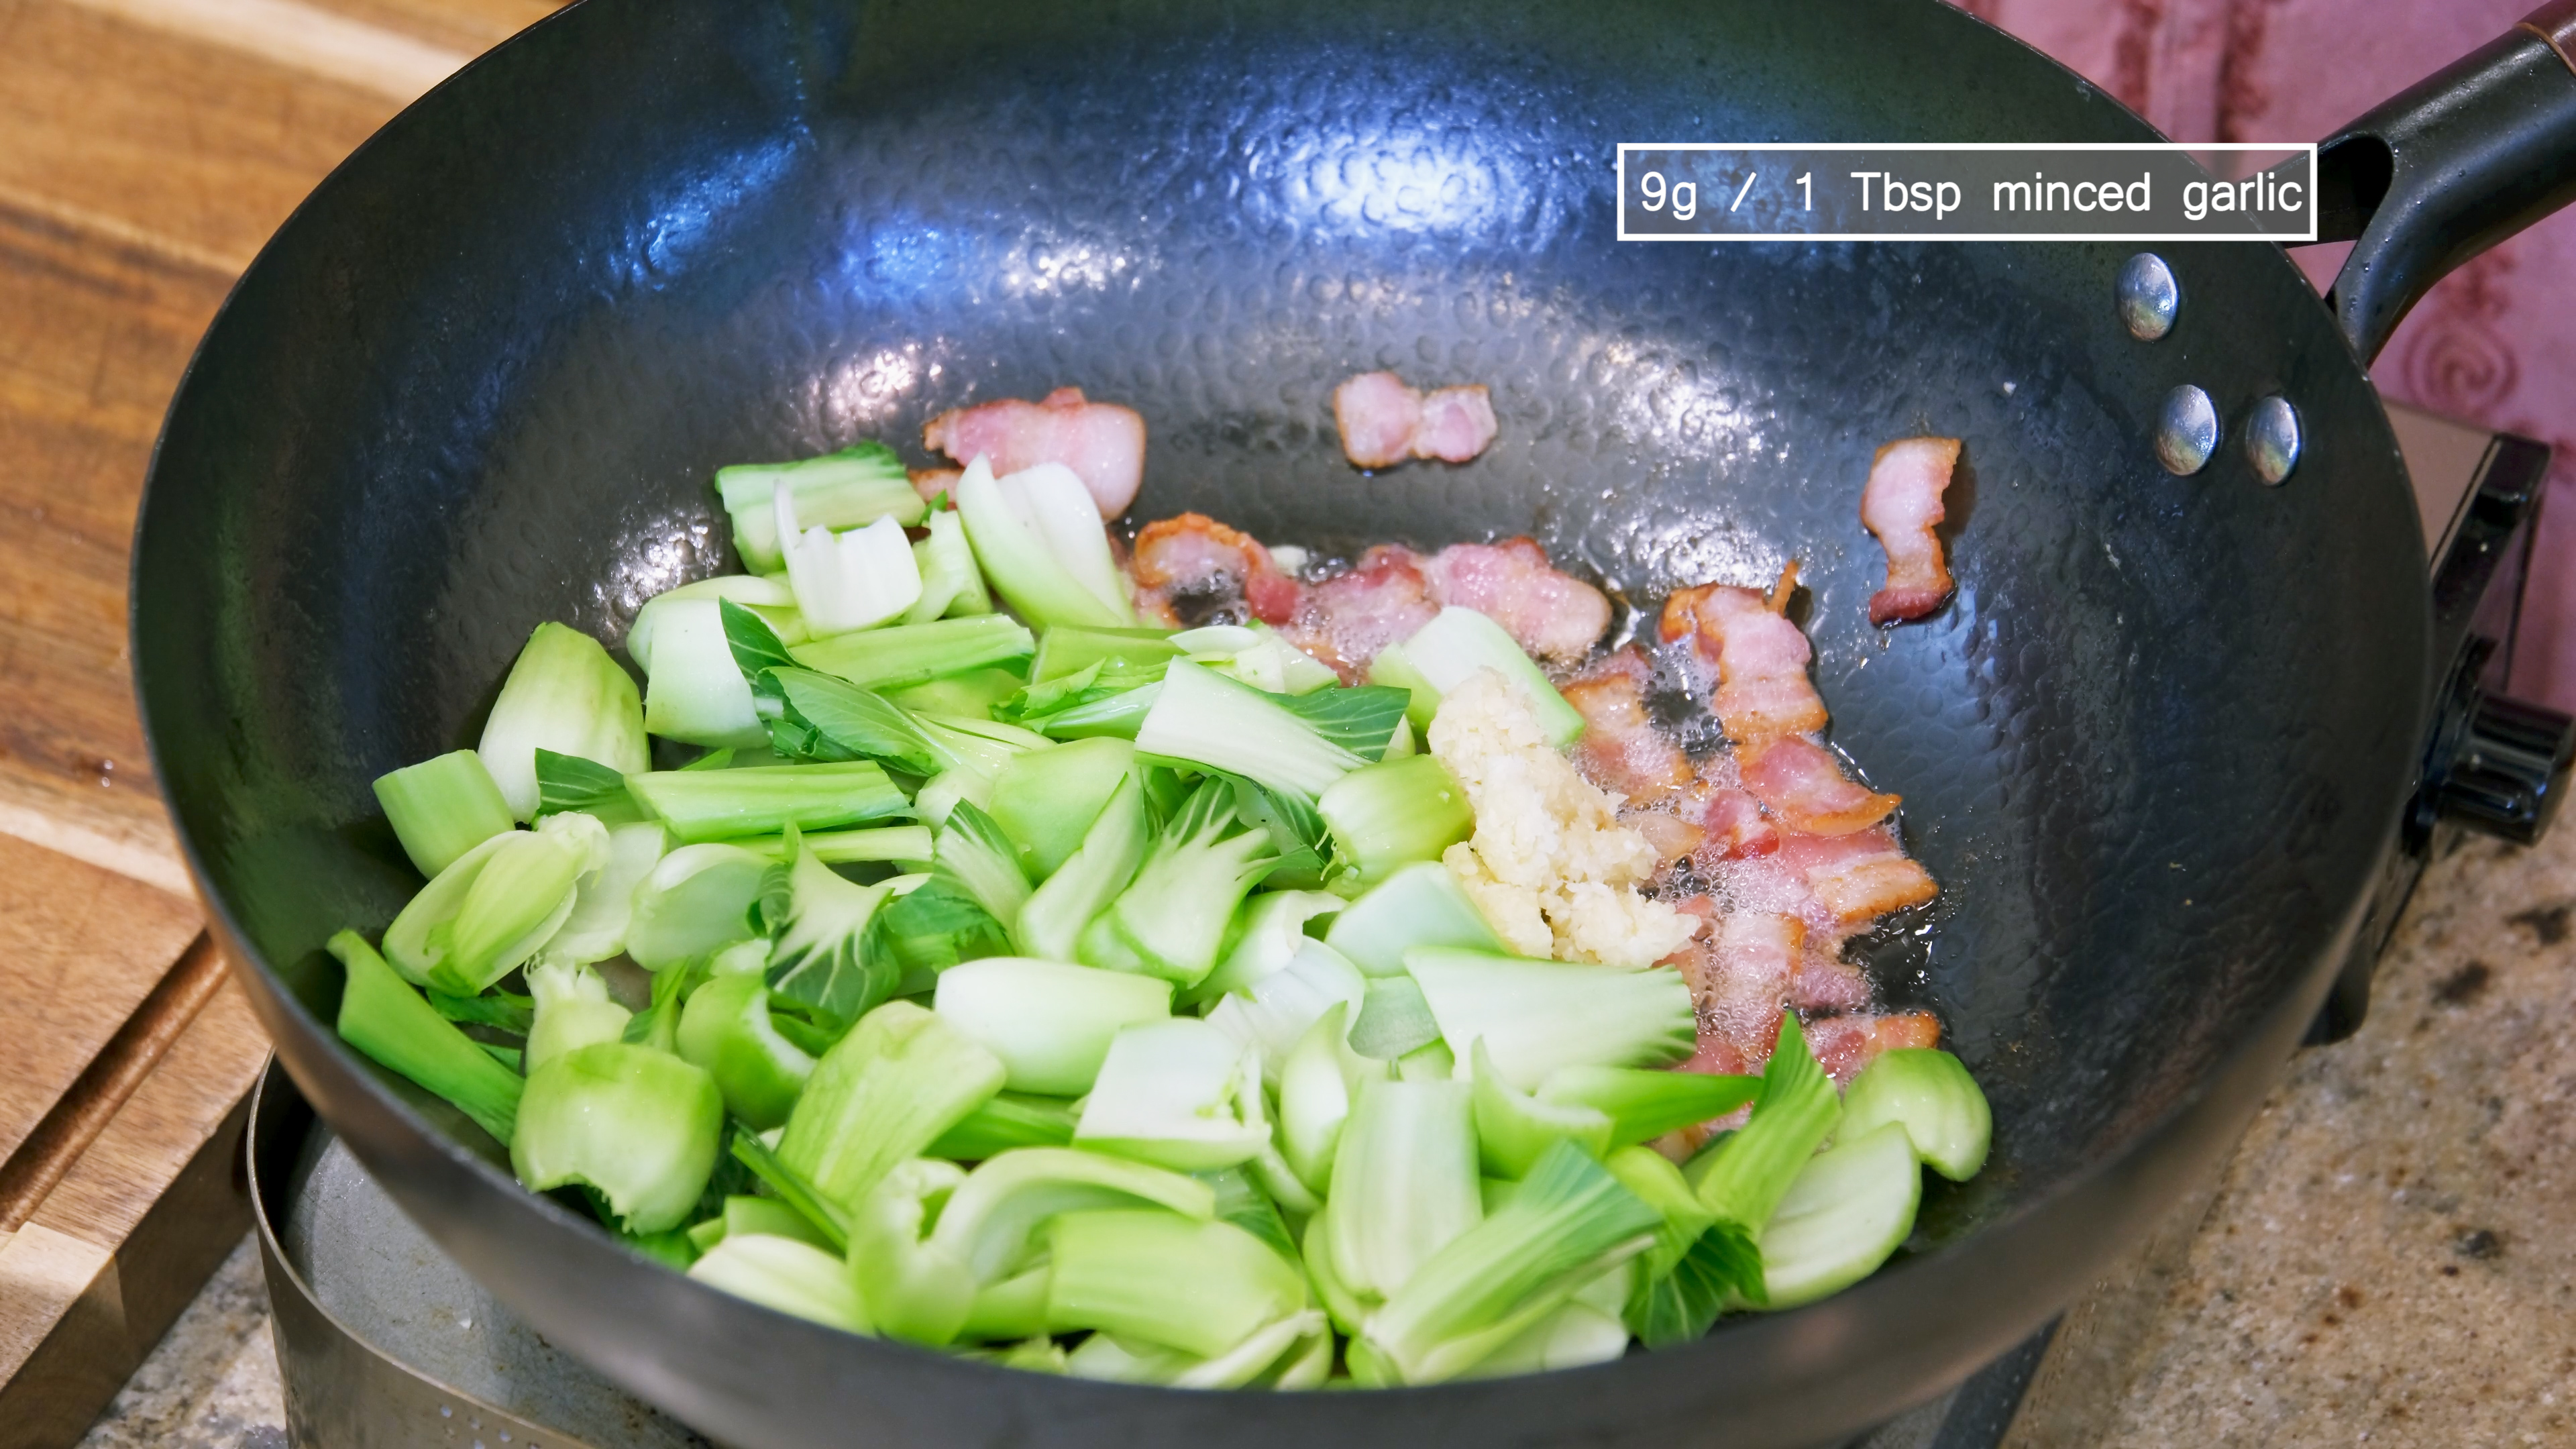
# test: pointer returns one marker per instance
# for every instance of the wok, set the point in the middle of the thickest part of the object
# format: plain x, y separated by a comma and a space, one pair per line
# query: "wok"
2157, 750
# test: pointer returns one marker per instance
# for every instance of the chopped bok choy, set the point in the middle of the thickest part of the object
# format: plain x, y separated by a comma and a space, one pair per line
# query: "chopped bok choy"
936, 949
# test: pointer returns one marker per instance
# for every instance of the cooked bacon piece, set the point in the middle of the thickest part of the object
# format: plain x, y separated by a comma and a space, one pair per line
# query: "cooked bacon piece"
1197, 560
1829, 984
1457, 423
1383, 422
1802, 783
1734, 828
1744, 977
1554, 616
1761, 659
1901, 503
1845, 1044
1621, 749
1857, 877
1670, 835
931, 482
1102, 442
1345, 620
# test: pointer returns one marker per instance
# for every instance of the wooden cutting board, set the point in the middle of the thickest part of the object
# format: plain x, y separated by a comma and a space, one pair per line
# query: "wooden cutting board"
147, 149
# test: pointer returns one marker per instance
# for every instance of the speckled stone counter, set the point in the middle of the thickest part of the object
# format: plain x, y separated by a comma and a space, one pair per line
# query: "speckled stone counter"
2390, 1258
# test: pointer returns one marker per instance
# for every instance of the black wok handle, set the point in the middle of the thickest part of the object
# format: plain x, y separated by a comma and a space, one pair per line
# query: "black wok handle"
2447, 169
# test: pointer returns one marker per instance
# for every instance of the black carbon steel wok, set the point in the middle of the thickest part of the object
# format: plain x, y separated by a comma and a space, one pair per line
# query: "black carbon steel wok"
2155, 750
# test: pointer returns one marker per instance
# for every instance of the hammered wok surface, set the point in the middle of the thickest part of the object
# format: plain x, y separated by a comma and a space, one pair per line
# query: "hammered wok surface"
480, 380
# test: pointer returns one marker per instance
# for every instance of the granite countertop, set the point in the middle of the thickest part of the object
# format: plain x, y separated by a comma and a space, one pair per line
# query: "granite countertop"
2389, 1258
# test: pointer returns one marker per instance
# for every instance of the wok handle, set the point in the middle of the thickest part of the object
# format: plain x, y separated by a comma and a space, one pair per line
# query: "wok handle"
2447, 169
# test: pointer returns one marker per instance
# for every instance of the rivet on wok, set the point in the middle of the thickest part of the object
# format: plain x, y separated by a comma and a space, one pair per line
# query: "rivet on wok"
2272, 439
2187, 434
2149, 296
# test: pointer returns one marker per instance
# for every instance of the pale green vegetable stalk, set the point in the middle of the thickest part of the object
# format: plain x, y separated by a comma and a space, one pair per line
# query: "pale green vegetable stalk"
1280, 1355
573, 1010
885, 1091
1394, 813
867, 845
1448, 651
1049, 1023
820, 955
1037, 548
1660, 1185
604, 904
566, 695
1849, 1208
695, 900
641, 1126
1537, 1016
1267, 934
491, 909
1644, 1105
1272, 1013
782, 1273
693, 690
1930, 1093
442, 808
1112, 848
1567, 1223
1203, 1287
908, 654
1207, 719
1011, 1119
848, 489
1513, 1129
1316, 1087
1585, 1329
770, 598
975, 854
846, 581
1417, 905
726, 1028
383, 1017
912, 1288
1126, 654
990, 1218
1171, 919
1404, 1184
1742, 1179
951, 585
701, 805
1179, 1094
1256, 655
1044, 800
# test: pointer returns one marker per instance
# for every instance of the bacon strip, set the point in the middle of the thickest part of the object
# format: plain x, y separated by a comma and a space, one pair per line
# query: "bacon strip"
1621, 749
1195, 559
1383, 422
1761, 658
1734, 828
1740, 983
1803, 784
1553, 615
1346, 619
1102, 442
1858, 877
1901, 503
1845, 1044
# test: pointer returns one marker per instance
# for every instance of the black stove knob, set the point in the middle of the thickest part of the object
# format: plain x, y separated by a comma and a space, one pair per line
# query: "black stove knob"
2509, 769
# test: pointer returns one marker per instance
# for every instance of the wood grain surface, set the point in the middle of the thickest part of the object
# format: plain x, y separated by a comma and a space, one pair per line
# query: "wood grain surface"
147, 149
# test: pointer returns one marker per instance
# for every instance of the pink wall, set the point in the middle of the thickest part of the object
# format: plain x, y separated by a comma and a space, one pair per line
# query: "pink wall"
2495, 342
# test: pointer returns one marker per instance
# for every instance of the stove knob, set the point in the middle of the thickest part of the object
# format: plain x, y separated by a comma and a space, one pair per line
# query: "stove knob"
2509, 770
